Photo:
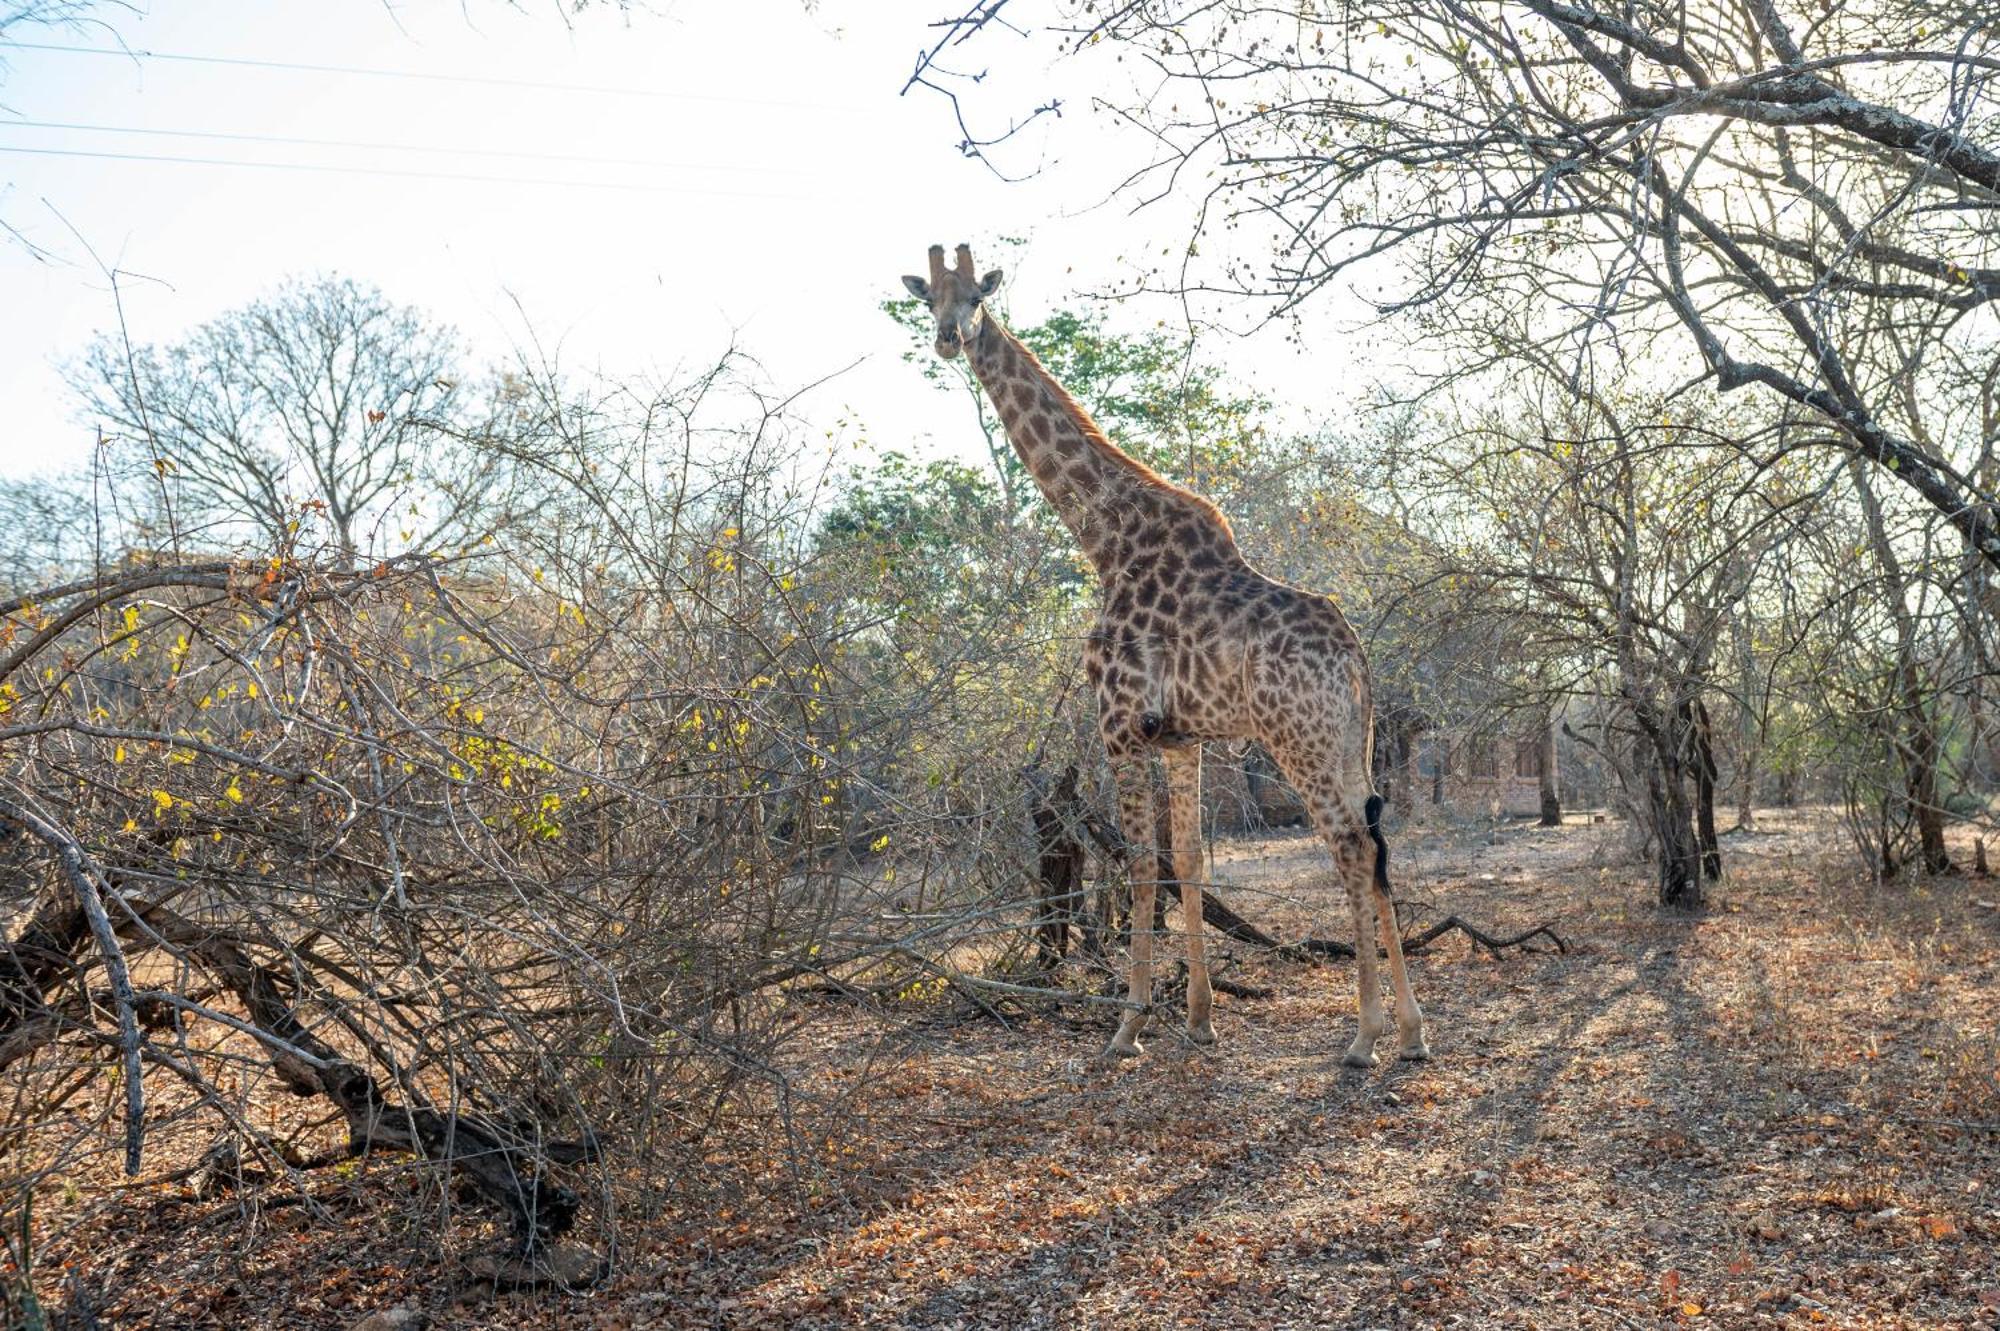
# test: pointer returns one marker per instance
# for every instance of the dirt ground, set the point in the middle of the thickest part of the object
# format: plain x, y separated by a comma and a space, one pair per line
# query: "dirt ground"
1782, 1113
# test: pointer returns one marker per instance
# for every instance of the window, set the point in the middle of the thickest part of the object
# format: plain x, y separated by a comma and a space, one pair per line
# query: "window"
1481, 761
1528, 759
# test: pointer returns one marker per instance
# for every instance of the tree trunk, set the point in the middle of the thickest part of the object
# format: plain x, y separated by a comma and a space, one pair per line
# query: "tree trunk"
1678, 849
1747, 728
1404, 789
1256, 780
1551, 790
1701, 748
1886, 826
1061, 871
1918, 745
1746, 786
1921, 761
42, 956
1680, 854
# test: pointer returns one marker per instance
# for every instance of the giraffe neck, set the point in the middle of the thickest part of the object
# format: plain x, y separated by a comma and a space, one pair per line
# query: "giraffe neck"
1108, 499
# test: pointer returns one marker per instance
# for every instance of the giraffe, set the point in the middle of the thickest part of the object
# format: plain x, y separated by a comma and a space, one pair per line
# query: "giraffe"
1191, 643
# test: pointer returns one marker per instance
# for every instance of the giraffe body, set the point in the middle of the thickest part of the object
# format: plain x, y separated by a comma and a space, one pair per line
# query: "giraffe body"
1191, 644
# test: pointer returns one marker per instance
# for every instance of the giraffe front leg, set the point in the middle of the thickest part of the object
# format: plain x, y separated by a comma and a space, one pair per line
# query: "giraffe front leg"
1184, 811
1346, 836
1135, 814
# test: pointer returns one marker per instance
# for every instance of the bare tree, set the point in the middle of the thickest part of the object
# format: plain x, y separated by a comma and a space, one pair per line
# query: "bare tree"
1608, 544
47, 527
318, 404
1809, 194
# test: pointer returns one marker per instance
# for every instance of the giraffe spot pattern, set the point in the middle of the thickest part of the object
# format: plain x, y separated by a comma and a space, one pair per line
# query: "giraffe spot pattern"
1192, 643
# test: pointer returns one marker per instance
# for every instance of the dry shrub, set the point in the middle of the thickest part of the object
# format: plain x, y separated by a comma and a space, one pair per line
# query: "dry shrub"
514, 860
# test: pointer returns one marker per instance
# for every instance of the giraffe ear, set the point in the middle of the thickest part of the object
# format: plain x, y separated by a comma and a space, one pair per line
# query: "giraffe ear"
989, 284
918, 287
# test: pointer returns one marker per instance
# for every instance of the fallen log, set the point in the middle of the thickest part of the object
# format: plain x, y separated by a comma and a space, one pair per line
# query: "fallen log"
1236, 990
1220, 915
506, 1162
503, 1161
41, 957
1480, 936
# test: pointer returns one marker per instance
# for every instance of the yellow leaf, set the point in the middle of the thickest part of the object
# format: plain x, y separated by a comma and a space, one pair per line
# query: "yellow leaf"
235, 792
162, 801
118, 754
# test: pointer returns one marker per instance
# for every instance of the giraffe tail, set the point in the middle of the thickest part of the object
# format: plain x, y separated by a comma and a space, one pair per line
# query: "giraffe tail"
1374, 809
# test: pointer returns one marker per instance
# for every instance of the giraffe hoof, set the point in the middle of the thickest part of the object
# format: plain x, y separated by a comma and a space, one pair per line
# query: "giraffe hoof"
1202, 1033
1359, 1058
1121, 1049
1415, 1053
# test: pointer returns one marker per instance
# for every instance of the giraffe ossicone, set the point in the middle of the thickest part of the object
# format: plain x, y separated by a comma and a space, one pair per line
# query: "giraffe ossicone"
1191, 644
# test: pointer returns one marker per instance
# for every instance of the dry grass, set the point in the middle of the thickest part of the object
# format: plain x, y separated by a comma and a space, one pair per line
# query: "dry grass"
1784, 1113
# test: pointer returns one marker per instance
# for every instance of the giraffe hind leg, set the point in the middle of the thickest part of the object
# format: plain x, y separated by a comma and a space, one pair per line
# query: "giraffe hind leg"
1409, 1016
1346, 836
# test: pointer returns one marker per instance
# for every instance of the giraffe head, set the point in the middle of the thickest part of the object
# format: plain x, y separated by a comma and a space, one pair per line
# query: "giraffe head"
956, 297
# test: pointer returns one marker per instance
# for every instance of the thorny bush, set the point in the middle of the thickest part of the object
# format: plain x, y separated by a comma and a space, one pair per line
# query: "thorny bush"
511, 862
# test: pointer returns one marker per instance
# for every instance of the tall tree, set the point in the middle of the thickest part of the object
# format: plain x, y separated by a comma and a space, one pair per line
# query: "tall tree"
1804, 197
46, 529
319, 403
1606, 544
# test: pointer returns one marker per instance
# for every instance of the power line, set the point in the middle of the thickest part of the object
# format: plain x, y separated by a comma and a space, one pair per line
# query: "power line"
360, 71
392, 171
385, 147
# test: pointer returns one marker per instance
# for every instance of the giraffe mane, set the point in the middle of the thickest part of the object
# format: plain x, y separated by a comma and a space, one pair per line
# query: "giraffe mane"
1094, 433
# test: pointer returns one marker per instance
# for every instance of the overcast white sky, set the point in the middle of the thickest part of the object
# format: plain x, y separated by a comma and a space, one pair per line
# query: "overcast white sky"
784, 188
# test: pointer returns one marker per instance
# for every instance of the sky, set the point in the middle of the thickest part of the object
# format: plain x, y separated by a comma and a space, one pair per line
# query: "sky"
632, 190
